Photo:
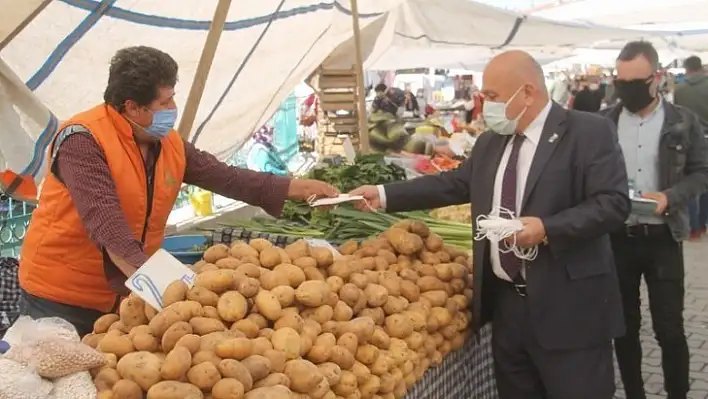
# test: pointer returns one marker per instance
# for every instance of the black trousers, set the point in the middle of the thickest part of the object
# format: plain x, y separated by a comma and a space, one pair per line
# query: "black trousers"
651, 252
37, 307
525, 370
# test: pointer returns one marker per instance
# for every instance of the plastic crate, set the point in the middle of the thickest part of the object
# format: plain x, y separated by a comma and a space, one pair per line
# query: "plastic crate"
182, 247
228, 235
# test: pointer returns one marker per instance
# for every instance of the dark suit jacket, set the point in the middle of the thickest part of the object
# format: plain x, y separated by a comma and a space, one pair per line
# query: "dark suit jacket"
578, 186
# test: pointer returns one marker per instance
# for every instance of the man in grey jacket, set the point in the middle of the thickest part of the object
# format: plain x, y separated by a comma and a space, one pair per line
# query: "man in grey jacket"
666, 157
692, 93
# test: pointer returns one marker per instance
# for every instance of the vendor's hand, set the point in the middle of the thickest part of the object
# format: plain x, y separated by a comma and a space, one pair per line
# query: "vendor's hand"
533, 233
371, 198
661, 201
307, 189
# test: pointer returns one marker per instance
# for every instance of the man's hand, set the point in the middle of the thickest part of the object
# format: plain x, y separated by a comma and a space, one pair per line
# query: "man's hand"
661, 201
533, 233
371, 198
307, 189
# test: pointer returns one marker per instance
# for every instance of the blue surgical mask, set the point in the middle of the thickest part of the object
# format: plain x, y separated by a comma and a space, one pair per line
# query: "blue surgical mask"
163, 121
494, 114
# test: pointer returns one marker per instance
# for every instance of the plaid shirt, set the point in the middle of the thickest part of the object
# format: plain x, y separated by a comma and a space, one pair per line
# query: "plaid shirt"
9, 292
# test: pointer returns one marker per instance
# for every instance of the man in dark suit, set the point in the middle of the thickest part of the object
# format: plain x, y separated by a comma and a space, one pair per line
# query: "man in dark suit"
562, 171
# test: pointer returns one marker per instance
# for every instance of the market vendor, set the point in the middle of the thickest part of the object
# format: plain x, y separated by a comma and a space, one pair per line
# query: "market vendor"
410, 102
114, 174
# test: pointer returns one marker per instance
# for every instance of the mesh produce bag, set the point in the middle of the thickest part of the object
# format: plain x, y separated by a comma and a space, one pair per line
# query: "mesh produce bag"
50, 351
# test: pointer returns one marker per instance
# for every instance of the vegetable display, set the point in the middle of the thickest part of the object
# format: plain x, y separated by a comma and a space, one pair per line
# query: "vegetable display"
266, 322
453, 213
387, 132
346, 223
431, 166
368, 169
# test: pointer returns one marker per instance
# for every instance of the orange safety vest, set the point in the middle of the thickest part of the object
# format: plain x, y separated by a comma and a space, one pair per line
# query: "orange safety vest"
59, 262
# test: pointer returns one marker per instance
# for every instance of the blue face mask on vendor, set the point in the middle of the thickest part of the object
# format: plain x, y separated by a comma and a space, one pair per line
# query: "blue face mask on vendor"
163, 121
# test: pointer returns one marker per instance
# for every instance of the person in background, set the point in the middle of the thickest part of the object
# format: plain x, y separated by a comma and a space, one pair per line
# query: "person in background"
422, 101
589, 96
265, 155
473, 104
309, 112
666, 157
692, 93
114, 173
610, 92
562, 173
379, 97
380, 90
559, 90
410, 104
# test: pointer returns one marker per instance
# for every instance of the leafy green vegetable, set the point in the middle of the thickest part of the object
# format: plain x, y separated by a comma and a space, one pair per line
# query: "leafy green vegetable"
368, 169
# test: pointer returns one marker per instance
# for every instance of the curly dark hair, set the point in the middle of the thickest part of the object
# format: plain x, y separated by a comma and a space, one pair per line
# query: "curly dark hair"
136, 73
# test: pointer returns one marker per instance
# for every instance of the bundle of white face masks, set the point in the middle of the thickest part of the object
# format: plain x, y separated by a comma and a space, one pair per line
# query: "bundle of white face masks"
496, 227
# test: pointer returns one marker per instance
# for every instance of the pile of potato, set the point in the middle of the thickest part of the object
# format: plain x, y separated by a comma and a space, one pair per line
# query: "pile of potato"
263, 322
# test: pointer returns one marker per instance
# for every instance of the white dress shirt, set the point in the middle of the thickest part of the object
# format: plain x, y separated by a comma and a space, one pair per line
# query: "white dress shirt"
526, 154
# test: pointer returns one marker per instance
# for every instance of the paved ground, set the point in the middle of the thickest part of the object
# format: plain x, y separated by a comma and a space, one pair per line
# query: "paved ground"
696, 322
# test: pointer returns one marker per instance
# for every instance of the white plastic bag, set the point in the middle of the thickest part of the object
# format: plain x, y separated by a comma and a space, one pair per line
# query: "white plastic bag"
74, 386
51, 326
18, 381
51, 347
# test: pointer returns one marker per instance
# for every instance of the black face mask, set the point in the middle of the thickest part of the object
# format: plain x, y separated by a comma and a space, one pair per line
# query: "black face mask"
634, 94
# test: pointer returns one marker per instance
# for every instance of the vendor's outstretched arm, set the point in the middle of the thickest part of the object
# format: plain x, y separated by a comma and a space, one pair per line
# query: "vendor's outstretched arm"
81, 165
428, 192
265, 190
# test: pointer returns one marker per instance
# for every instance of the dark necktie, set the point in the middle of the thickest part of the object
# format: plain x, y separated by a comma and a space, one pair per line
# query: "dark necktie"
509, 262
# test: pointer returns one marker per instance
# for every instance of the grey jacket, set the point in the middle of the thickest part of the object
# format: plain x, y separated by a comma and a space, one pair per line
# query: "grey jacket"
683, 163
692, 93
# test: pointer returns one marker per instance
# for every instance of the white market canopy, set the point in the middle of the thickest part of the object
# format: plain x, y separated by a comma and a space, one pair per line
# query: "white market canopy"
628, 12
58, 64
685, 18
463, 34
267, 48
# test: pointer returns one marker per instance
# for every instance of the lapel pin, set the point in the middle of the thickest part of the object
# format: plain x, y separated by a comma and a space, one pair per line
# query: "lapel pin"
553, 138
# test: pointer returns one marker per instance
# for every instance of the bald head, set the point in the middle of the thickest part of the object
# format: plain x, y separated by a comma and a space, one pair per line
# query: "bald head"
517, 66
515, 78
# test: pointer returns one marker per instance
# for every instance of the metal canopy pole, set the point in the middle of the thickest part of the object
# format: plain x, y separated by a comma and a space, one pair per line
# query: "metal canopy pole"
361, 92
5, 5
203, 68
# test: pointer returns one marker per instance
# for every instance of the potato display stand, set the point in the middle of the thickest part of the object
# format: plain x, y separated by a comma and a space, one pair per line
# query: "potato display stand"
386, 318
466, 373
